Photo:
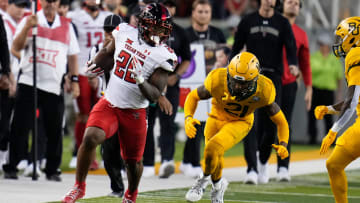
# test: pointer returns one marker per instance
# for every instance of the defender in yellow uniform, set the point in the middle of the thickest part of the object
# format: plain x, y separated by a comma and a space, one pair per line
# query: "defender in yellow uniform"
347, 146
236, 91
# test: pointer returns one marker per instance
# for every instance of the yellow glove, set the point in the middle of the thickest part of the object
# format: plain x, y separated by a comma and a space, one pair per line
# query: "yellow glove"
281, 151
321, 111
327, 141
190, 129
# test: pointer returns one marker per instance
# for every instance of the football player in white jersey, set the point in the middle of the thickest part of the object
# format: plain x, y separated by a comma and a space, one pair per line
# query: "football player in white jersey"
89, 23
141, 63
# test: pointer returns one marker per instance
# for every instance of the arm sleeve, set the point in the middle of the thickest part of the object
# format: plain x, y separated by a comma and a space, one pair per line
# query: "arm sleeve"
282, 126
304, 62
5, 55
240, 38
191, 102
290, 44
339, 124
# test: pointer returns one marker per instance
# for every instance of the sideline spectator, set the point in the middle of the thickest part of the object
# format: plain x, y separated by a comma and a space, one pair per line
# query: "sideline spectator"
89, 23
200, 32
265, 33
327, 74
55, 35
290, 10
180, 44
4, 92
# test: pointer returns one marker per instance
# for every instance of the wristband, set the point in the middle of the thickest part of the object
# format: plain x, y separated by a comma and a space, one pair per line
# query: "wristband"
74, 78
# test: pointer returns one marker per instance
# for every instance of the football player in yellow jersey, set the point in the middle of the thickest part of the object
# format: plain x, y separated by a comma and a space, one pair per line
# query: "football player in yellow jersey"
347, 148
236, 91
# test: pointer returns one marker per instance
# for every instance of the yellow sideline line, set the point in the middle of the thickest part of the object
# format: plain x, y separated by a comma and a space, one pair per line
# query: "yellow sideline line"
238, 161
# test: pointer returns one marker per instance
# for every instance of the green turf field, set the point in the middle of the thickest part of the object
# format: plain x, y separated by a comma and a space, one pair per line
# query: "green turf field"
302, 189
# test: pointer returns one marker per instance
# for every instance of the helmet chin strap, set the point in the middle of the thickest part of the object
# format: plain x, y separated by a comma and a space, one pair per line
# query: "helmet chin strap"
155, 39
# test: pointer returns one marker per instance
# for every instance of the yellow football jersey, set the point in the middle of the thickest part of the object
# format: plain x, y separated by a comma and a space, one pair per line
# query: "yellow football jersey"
227, 107
352, 70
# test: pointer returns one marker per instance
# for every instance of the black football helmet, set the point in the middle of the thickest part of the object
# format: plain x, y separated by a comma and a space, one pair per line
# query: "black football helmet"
155, 24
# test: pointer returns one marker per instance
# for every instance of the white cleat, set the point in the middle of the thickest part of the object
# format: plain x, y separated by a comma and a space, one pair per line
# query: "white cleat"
263, 176
3, 158
148, 171
251, 178
283, 175
185, 169
167, 168
197, 190
218, 191
28, 172
73, 162
22, 164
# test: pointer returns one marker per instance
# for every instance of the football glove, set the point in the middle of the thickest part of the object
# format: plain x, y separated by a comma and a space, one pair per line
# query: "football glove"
92, 70
321, 111
327, 141
136, 71
190, 129
281, 151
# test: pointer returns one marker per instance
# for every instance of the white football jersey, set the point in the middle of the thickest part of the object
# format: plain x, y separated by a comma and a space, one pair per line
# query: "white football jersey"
90, 33
122, 90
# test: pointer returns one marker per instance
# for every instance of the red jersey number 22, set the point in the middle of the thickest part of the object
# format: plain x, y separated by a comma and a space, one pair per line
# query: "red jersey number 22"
123, 65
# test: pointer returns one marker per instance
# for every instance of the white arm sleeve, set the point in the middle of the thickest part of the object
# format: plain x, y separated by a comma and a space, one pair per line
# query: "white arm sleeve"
339, 124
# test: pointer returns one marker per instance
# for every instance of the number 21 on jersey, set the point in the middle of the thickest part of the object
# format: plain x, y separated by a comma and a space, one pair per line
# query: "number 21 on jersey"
123, 65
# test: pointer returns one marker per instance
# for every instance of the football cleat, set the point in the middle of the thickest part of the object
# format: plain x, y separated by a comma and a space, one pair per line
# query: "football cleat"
167, 168
251, 178
197, 190
74, 194
218, 190
283, 175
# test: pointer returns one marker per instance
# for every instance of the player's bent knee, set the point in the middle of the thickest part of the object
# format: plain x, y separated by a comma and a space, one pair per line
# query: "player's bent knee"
93, 137
213, 149
332, 167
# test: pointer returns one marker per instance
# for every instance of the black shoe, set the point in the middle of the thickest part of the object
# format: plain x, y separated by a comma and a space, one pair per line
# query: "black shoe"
119, 194
10, 175
54, 177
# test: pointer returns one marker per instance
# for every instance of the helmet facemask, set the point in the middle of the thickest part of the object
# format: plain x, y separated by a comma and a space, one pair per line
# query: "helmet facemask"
240, 87
337, 47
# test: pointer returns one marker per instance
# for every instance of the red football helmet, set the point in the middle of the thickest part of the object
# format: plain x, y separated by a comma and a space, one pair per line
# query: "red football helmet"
155, 24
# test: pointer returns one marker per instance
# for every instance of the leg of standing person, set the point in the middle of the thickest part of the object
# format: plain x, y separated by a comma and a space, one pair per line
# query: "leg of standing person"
168, 133
327, 98
267, 131
53, 111
149, 152
288, 97
83, 107
312, 128
6, 105
20, 128
250, 150
113, 165
191, 159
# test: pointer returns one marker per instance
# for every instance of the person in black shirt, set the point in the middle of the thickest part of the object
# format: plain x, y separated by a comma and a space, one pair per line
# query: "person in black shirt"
265, 33
4, 92
200, 32
179, 42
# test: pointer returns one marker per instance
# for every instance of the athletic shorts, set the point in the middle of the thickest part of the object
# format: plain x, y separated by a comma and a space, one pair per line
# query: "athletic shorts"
130, 124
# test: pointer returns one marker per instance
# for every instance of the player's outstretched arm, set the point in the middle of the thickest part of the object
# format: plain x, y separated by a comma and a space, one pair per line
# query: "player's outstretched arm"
190, 105
278, 117
347, 110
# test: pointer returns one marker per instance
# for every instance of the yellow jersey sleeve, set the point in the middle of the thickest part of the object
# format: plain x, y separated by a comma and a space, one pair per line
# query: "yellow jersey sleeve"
352, 67
268, 91
209, 80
